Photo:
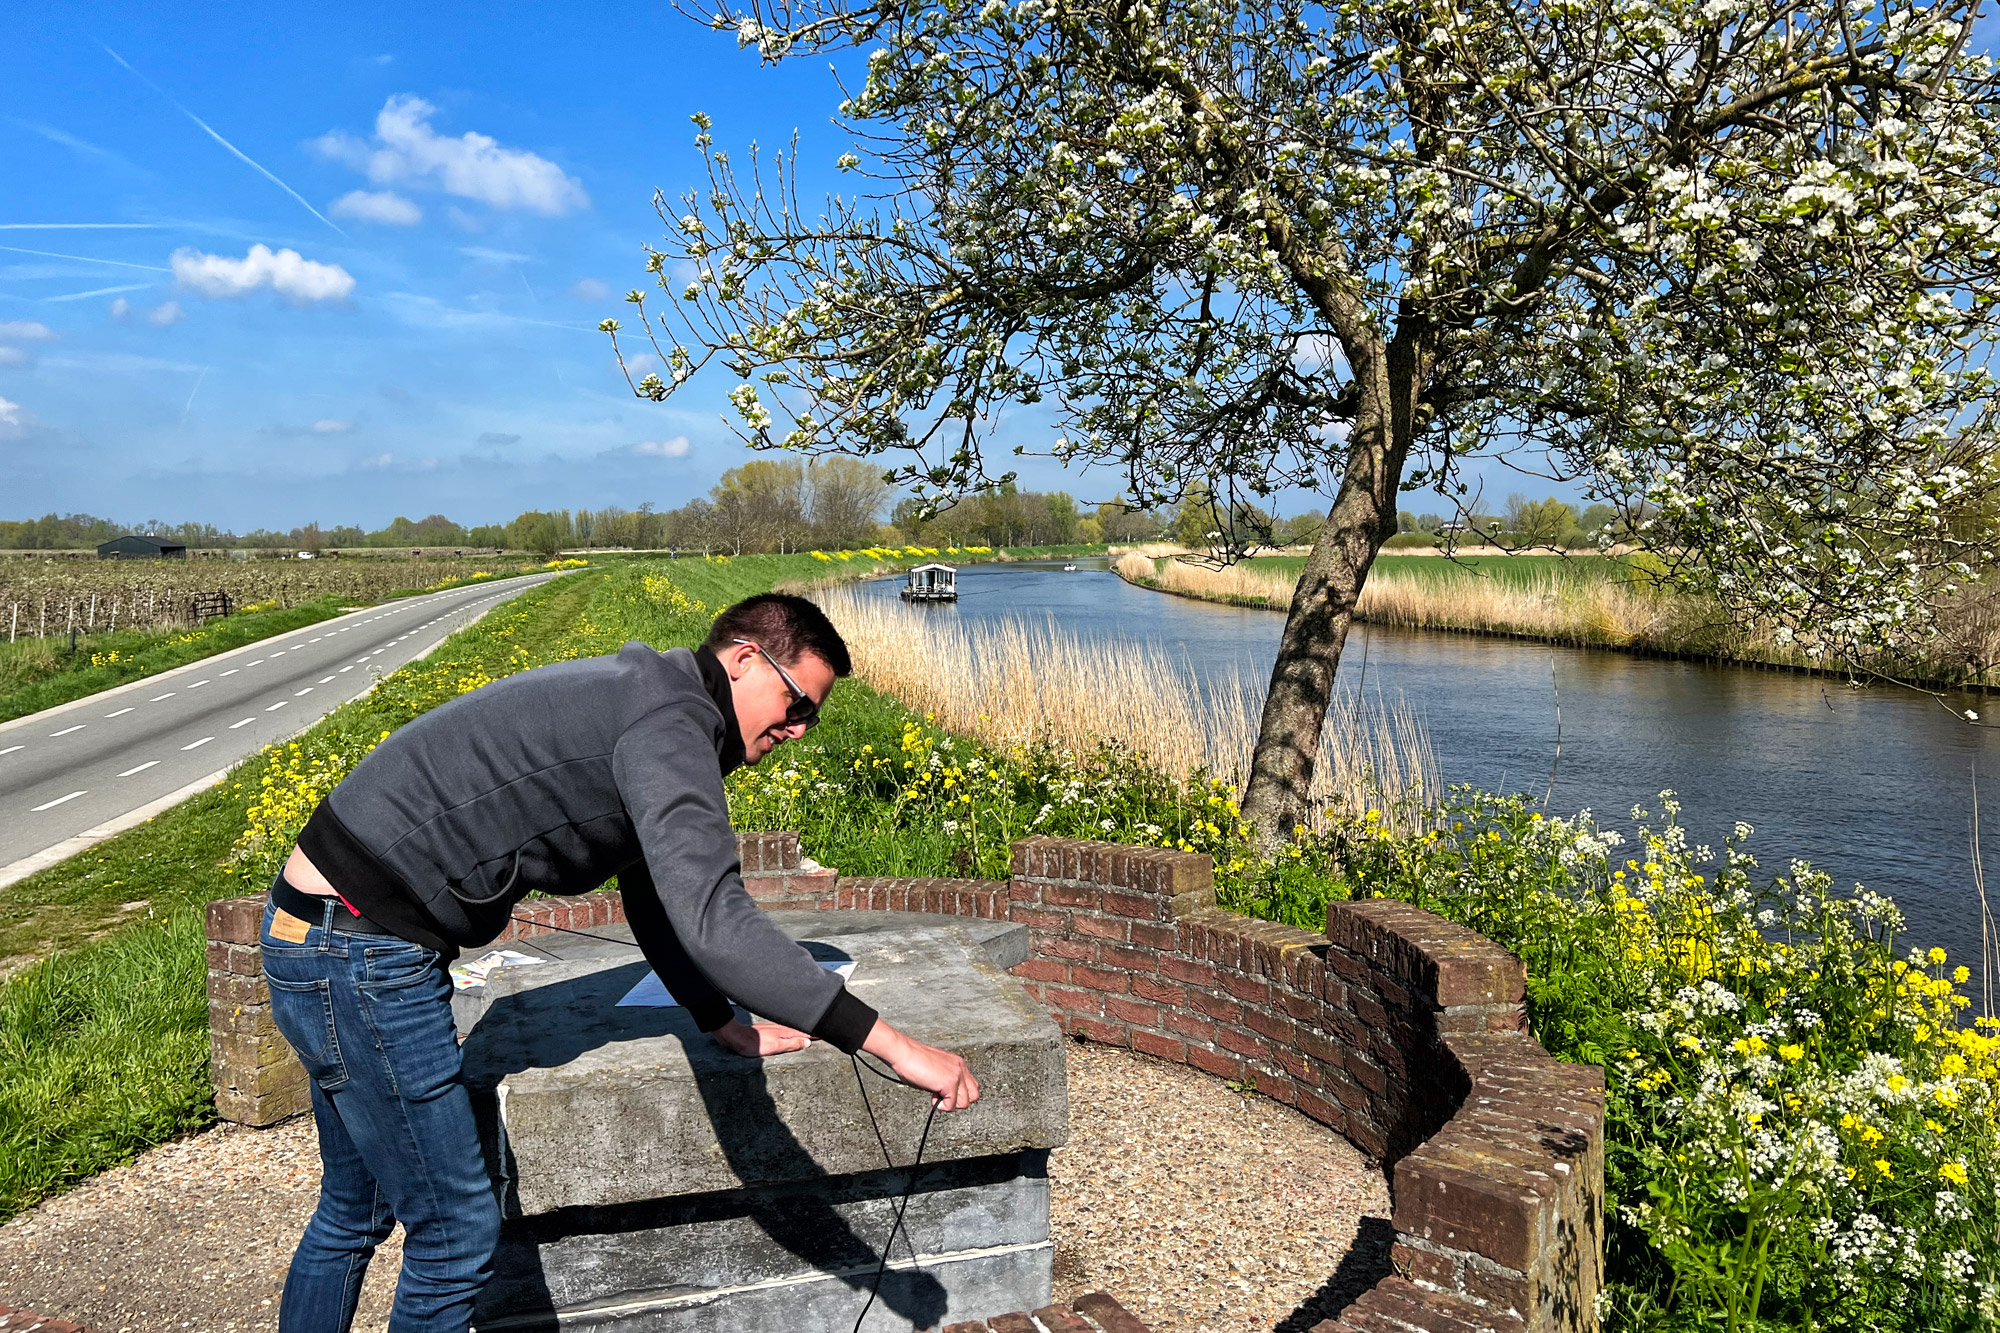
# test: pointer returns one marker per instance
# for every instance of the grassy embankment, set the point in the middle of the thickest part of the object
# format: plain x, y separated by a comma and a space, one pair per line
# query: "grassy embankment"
1582, 601
41, 673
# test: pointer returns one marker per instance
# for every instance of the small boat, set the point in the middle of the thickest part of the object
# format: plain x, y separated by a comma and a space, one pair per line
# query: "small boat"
930, 583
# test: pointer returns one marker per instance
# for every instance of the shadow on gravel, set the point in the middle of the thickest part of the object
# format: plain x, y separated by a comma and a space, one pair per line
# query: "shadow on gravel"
1365, 1263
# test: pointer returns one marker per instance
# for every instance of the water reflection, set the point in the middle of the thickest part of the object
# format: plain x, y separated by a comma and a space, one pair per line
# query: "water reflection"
1871, 784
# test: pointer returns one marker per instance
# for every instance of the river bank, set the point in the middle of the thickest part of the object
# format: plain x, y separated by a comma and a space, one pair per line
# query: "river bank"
1576, 602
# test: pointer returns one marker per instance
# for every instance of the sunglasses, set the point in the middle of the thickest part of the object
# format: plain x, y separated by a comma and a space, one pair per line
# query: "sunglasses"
802, 709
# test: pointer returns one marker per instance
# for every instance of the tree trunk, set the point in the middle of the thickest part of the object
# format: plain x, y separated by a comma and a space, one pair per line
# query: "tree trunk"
1279, 800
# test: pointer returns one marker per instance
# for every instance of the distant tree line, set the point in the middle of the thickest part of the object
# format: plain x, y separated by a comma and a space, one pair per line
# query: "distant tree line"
781, 505
1523, 524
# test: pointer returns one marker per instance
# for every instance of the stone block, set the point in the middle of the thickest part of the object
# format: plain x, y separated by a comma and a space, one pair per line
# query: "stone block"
974, 1244
654, 1181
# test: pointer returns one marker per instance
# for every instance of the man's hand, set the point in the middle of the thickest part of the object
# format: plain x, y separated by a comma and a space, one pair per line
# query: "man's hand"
940, 1073
759, 1039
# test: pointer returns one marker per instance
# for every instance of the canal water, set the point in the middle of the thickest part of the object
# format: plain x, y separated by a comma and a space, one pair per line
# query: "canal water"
1872, 785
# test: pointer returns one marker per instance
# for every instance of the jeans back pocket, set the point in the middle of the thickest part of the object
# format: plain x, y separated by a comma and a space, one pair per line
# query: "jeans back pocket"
303, 1014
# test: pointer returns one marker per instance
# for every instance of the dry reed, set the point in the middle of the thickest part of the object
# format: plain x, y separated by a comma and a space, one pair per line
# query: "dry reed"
1011, 684
1572, 609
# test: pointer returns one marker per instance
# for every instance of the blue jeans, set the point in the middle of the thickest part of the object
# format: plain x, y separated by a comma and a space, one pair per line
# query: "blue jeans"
370, 1017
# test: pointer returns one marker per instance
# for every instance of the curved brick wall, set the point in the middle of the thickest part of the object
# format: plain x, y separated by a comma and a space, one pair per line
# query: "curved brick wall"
1401, 1031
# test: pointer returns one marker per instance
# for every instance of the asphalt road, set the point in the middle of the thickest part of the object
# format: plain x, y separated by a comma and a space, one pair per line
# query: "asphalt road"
74, 774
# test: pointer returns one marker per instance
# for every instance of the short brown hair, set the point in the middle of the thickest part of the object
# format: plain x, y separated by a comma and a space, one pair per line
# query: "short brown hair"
783, 626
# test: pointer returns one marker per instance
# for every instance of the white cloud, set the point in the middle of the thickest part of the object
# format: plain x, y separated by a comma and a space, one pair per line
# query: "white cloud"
472, 166
121, 310
589, 289
161, 316
383, 206
498, 437
286, 272
492, 256
674, 448
26, 330
13, 356
14, 420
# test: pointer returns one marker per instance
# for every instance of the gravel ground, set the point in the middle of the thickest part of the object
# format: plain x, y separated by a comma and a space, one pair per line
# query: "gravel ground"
1206, 1211
1201, 1210
196, 1234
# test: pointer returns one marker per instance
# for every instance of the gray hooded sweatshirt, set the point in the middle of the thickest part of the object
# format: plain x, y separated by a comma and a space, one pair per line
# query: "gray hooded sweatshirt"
554, 780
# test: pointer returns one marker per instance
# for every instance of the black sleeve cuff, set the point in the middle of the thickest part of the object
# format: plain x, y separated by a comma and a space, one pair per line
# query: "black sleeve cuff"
846, 1022
711, 1012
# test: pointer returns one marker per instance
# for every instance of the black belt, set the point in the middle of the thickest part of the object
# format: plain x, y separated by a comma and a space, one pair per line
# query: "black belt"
311, 908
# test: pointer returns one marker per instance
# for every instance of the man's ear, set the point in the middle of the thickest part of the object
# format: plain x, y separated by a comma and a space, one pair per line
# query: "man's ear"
735, 659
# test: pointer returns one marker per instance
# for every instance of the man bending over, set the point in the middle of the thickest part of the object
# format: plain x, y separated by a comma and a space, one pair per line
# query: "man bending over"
550, 781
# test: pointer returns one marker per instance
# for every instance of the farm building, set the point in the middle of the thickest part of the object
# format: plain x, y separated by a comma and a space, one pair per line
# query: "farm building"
132, 547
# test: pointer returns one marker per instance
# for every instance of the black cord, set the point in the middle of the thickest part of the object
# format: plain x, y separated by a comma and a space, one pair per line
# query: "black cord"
545, 925
902, 1204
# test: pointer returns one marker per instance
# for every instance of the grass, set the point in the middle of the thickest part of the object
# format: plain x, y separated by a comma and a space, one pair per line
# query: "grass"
103, 1052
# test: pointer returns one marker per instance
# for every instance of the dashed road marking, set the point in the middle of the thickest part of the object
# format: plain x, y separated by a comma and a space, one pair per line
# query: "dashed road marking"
50, 805
232, 671
324, 679
156, 698
276, 706
244, 723
298, 693
198, 744
10, 749
198, 684
140, 769
67, 730
120, 713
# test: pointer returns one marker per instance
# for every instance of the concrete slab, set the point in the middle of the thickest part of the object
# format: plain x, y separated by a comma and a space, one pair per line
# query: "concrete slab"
604, 1106
1005, 944
799, 1255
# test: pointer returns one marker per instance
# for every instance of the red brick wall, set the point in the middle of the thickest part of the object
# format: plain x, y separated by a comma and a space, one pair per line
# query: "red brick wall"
1401, 1031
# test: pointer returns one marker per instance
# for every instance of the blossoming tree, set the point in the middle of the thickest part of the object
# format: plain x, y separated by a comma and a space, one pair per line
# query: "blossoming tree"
1726, 264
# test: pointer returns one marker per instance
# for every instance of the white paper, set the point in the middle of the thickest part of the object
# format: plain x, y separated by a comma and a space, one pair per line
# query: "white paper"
464, 976
651, 992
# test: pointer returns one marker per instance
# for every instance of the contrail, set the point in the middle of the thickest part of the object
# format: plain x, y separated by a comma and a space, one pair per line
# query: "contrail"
86, 259
190, 402
101, 291
79, 226
219, 139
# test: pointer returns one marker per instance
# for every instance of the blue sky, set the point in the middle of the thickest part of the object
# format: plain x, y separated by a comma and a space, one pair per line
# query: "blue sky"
418, 331
338, 266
